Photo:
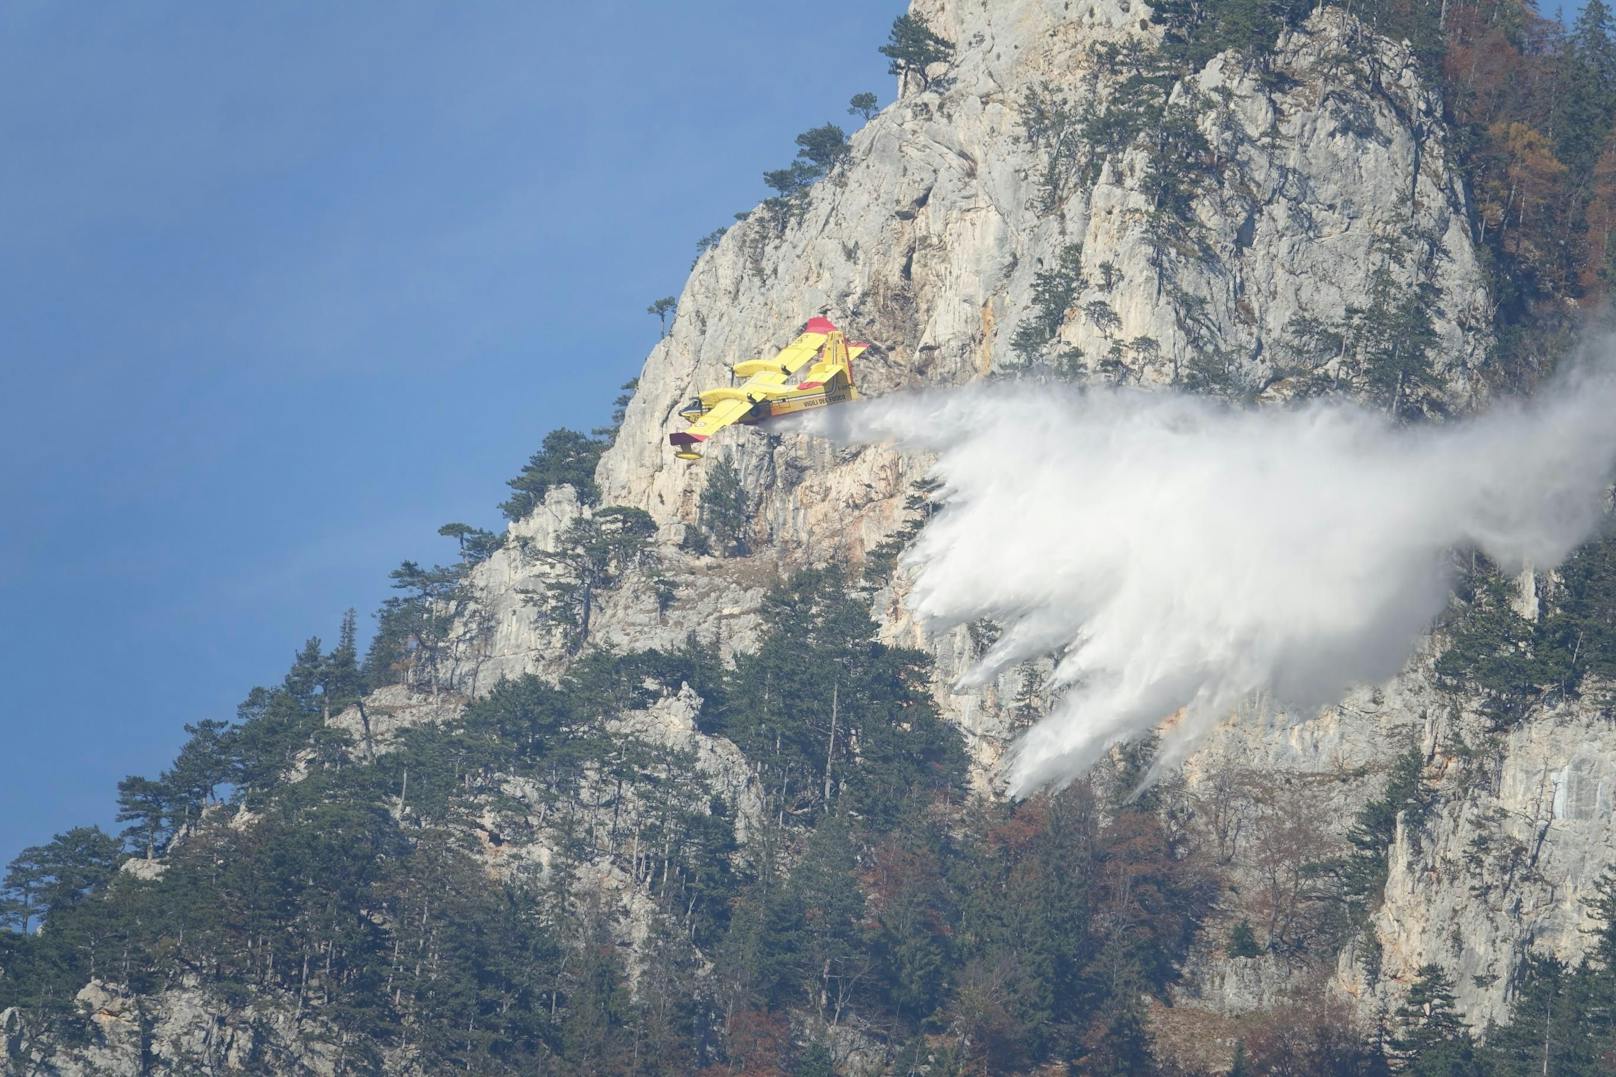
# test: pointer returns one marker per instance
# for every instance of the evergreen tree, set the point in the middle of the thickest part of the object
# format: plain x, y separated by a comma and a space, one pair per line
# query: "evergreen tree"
762, 960
824, 886
1587, 89
592, 555
789, 182
1028, 705
620, 404
865, 105
672, 1007
819, 151
1582, 624
148, 806
341, 684
1054, 290
819, 686
823, 148
204, 763
302, 682
475, 544
1121, 1045
273, 725
913, 46
911, 949
413, 627
62, 874
1544, 1032
1243, 941
1374, 829
661, 309
708, 242
1428, 1035
21, 902
566, 458
1593, 990
725, 509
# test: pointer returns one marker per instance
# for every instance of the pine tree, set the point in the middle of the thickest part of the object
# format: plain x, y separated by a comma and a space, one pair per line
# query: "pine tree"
21, 901
1393, 337
591, 557
1243, 941
1587, 90
725, 509
203, 764
302, 683
823, 148
565, 458
824, 885
625, 396
913, 46
147, 806
341, 684
708, 242
73, 865
1428, 1035
1028, 705
1054, 290
661, 309
1120, 1046
1375, 827
475, 545
1545, 1032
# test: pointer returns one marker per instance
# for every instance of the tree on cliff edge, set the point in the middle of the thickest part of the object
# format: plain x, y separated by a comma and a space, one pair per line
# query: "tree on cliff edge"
566, 457
913, 46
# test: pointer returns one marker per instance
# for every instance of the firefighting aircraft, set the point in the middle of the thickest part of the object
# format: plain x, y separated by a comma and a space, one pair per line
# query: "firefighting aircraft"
773, 386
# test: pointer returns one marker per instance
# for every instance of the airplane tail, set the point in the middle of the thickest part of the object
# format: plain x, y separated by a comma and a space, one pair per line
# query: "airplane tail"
684, 442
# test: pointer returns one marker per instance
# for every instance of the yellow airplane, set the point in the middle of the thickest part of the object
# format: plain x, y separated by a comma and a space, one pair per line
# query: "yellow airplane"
821, 355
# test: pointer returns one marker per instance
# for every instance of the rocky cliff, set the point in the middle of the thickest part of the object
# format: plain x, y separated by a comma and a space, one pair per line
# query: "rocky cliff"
1193, 247
930, 241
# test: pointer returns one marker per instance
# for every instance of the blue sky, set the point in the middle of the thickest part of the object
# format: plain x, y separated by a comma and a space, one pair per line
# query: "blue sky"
283, 287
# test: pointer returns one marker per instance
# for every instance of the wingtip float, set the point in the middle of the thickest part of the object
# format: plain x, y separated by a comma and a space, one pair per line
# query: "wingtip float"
813, 371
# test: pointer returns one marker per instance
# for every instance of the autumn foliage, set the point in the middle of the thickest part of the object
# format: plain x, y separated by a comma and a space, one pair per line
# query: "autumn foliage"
1533, 102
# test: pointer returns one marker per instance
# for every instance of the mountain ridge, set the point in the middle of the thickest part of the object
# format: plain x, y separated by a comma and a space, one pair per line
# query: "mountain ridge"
967, 238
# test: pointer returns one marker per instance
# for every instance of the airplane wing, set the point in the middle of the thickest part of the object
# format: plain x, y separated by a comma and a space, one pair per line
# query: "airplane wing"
794, 356
712, 421
767, 379
801, 351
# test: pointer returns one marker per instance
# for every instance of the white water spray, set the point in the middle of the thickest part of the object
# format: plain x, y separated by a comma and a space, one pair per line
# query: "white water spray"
1183, 558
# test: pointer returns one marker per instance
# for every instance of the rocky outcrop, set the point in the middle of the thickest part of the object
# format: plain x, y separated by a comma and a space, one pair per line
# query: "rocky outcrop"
929, 241
181, 1030
1524, 830
1503, 866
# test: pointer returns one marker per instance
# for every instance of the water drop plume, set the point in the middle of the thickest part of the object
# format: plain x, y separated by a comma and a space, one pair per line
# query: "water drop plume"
1181, 558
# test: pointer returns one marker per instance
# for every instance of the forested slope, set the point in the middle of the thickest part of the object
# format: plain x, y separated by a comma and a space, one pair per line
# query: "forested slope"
663, 777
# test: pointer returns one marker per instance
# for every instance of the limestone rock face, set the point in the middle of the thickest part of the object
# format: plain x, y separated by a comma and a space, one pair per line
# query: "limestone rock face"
181, 1030
1523, 834
1521, 831
927, 243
